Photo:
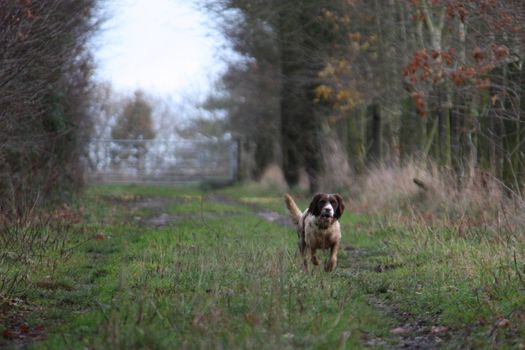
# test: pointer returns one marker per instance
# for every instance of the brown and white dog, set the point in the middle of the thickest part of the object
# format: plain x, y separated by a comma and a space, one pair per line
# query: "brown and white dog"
318, 226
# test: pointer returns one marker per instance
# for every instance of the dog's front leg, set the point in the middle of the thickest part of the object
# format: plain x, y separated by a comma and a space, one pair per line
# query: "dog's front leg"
315, 259
305, 264
331, 263
302, 250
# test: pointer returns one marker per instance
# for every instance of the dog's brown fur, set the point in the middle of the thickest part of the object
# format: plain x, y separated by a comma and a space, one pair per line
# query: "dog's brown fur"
315, 231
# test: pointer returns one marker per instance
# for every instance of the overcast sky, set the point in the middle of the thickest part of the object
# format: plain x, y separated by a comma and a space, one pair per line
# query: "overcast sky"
165, 47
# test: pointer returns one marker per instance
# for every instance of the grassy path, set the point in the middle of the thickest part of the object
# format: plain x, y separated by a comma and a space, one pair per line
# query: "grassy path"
183, 268
186, 271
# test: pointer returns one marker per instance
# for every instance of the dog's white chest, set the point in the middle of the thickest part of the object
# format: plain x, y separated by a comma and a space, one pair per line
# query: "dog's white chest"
320, 234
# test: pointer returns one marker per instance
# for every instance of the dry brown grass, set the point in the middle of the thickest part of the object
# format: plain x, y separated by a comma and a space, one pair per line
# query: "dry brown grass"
478, 202
273, 176
337, 174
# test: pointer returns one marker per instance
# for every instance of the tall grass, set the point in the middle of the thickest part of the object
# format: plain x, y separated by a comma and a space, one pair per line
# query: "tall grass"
459, 250
417, 193
33, 246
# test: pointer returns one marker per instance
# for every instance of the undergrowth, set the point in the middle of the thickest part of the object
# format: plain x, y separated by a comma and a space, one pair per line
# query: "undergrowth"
458, 251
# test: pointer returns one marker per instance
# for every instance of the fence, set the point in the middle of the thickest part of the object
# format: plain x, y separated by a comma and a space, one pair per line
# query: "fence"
161, 161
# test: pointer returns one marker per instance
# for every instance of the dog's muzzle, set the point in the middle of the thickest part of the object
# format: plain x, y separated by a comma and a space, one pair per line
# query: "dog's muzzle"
326, 214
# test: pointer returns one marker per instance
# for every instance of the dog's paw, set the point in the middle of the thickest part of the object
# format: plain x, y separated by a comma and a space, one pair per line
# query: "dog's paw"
330, 265
315, 260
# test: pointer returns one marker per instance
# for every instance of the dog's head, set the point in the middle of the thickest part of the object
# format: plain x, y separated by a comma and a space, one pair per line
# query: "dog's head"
329, 206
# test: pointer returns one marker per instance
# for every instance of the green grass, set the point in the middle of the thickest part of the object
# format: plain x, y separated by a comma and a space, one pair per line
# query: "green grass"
231, 280
467, 283
219, 275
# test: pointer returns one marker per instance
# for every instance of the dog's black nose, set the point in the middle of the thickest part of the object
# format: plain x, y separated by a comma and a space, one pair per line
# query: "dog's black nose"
326, 213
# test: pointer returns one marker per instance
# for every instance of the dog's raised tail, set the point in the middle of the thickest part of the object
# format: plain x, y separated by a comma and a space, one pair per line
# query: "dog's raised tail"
295, 212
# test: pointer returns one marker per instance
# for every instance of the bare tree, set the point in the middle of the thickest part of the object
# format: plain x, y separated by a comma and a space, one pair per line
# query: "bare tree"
45, 71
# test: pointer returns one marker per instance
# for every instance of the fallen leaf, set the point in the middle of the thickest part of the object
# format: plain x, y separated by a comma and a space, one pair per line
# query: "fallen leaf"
439, 329
8, 334
197, 320
99, 237
24, 328
252, 319
16, 302
502, 323
401, 330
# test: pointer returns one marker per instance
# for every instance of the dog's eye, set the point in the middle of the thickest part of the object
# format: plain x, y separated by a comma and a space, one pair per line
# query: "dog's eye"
333, 202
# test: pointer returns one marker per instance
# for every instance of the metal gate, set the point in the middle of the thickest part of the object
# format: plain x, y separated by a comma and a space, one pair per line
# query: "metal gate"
161, 161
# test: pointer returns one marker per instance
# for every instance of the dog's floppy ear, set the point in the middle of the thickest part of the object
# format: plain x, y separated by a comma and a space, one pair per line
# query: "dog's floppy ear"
314, 207
340, 206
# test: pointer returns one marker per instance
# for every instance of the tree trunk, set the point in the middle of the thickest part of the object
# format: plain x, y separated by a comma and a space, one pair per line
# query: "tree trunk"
444, 129
512, 129
355, 146
289, 129
375, 134
300, 124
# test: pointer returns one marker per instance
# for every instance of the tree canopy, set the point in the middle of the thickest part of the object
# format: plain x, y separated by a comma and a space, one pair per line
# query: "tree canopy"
135, 122
384, 81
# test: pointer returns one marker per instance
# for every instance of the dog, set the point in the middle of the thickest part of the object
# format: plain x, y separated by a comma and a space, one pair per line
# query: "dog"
318, 226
